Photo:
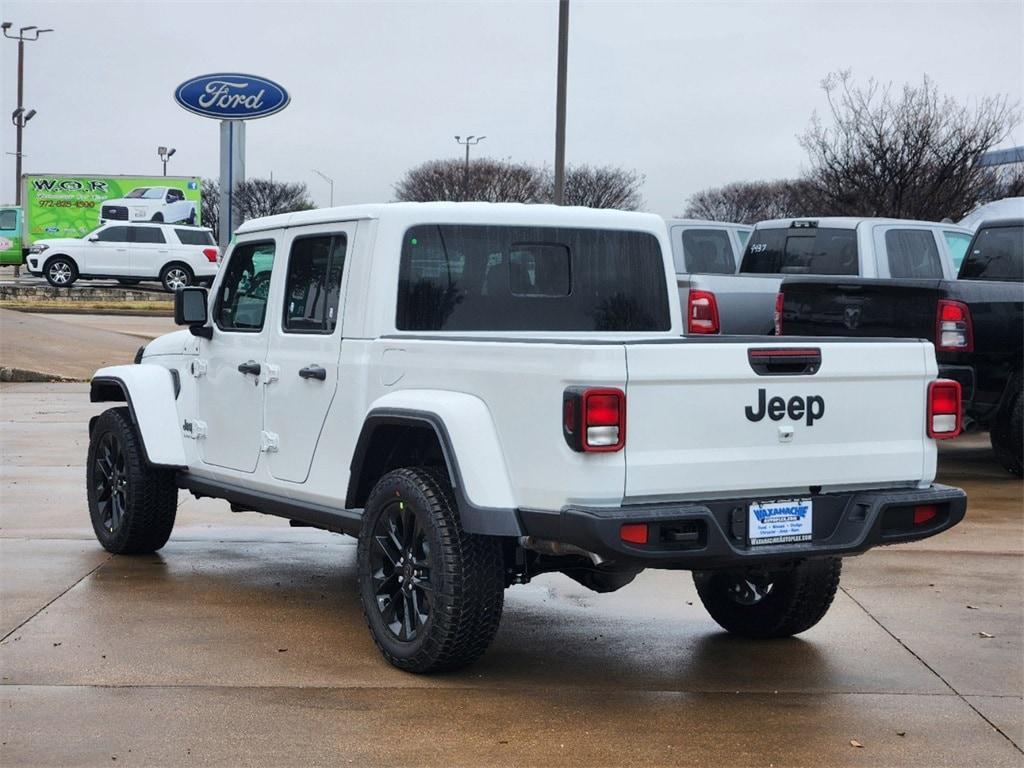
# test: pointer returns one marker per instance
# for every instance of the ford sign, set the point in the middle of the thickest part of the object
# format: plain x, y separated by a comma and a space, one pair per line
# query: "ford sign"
231, 96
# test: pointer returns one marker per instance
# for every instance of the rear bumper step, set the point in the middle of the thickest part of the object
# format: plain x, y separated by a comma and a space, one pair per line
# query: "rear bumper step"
713, 534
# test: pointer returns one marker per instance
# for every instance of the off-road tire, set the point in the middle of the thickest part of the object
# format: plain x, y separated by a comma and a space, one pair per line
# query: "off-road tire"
1007, 436
150, 497
466, 574
175, 268
71, 271
799, 598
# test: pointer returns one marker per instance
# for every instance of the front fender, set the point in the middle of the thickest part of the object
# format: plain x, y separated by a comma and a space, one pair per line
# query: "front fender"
150, 392
469, 438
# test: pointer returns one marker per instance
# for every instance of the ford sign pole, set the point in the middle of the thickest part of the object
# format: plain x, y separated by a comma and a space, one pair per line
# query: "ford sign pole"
232, 98
232, 173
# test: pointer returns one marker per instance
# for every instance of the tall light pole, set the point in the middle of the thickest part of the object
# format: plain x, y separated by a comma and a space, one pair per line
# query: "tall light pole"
329, 180
165, 155
563, 56
469, 141
20, 117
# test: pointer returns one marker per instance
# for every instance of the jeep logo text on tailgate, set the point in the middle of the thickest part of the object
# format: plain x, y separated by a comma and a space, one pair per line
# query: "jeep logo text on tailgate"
797, 408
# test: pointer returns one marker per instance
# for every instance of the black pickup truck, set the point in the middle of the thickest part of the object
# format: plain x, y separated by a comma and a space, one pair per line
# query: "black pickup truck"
976, 323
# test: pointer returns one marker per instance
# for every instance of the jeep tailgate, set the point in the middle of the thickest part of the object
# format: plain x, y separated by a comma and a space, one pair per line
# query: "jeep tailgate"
701, 422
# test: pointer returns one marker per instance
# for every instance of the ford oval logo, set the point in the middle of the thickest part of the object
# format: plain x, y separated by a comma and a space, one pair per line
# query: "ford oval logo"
231, 96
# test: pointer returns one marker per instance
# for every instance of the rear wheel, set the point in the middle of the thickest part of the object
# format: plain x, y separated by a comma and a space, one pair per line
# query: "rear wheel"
157, 217
770, 603
192, 217
131, 504
176, 276
1007, 436
432, 594
60, 272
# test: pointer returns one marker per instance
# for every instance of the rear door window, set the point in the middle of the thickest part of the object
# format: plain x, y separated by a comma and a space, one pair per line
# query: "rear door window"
707, 252
147, 235
801, 251
912, 253
311, 294
997, 253
499, 278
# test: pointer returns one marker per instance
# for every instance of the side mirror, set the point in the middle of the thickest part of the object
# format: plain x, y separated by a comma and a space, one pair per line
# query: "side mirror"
190, 309
94, 239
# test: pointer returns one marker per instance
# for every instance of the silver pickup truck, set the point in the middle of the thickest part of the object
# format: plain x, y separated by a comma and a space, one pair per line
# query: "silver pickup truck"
745, 303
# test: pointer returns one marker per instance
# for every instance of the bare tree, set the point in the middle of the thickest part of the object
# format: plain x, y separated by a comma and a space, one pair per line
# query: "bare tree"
911, 154
600, 187
492, 181
209, 209
264, 197
748, 202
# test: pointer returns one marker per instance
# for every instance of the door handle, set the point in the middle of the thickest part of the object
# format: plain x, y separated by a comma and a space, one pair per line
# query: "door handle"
250, 367
313, 372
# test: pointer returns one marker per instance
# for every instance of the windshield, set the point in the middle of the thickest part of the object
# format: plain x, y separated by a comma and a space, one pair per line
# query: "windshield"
146, 193
996, 254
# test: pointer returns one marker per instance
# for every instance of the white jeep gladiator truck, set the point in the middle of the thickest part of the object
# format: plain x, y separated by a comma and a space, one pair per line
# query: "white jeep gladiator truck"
482, 393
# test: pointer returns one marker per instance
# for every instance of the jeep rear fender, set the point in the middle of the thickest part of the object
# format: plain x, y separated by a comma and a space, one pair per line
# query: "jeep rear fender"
150, 392
469, 445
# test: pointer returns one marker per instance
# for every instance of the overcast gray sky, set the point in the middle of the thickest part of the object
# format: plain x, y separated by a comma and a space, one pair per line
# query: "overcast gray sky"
690, 94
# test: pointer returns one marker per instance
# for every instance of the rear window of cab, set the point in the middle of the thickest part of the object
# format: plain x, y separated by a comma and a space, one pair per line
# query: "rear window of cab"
502, 278
801, 251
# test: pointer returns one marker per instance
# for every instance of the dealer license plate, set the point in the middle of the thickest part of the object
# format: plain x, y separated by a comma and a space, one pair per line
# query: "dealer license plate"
780, 522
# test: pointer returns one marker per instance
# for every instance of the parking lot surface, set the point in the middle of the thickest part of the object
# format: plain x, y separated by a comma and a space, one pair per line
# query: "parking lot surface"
242, 643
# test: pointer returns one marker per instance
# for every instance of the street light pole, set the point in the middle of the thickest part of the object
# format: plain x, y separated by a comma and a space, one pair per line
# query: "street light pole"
20, 117
563, 55
468, 142
165, 155
329, 180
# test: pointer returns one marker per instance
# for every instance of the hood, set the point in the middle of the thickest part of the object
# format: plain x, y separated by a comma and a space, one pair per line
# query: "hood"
174, 343
132, 201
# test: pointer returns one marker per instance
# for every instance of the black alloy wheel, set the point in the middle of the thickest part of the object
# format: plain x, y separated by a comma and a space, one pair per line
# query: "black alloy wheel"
400, 563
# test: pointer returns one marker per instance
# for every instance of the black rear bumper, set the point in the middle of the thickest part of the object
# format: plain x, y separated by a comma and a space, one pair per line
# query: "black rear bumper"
713, 534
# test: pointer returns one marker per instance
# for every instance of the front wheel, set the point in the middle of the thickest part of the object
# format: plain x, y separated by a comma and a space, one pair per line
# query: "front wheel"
771, 603
60, 272
431, 593
174, 277
131, 504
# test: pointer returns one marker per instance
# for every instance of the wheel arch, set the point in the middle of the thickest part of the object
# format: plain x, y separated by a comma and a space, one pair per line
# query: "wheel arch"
61, 254
150, 392
402, 431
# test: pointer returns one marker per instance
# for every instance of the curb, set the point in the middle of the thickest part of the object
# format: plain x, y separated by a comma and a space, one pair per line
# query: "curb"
23, 376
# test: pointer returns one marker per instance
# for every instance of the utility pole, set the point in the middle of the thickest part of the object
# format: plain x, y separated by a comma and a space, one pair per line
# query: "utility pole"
329, 180
469, 141
20, 117
563, 55
165, 155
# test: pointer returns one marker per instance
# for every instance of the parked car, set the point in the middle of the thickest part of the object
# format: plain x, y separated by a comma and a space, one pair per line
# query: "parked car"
450, 383
165, 204
176, 255
976, 323
1007, 208
882, 248
703, 248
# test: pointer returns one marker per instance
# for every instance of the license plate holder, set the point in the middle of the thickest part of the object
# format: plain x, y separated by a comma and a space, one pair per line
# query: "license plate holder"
785, 521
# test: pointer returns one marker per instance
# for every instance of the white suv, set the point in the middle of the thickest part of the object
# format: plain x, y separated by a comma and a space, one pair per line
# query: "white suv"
176, 255
163, 204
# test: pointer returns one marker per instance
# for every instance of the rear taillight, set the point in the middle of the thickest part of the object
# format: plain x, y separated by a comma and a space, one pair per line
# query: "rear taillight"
953, 331
702, 313
594, 420
780, 302
211, 254
944, 409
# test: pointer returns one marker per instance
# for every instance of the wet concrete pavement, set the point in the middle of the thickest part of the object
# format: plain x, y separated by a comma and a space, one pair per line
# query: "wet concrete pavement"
242, 643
